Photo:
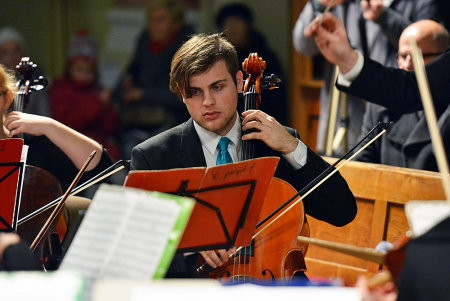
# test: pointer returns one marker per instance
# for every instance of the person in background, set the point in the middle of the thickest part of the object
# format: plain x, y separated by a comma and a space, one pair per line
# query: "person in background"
425, 266
147, 107
235, 20
374, 27
408, 141
12, 50
79, 101
205, 75
52, 146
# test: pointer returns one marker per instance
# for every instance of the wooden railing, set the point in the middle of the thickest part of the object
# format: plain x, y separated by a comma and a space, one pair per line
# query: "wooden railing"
381, 192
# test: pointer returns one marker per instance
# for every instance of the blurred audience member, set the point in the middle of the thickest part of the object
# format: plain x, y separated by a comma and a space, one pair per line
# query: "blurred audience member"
147, 106
77, 99
12, 49
236, 22
408, 141
192, 14
374, 27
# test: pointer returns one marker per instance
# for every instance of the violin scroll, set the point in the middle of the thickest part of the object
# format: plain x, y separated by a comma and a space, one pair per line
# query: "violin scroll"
26, 83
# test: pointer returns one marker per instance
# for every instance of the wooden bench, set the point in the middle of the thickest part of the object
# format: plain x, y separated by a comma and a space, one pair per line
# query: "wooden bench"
381, 192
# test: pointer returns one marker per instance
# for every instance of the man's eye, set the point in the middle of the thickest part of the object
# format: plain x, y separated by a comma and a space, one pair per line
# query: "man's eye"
195, 92
217, 88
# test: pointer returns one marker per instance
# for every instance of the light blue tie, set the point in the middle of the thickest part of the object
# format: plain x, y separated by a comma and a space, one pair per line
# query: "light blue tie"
223, 157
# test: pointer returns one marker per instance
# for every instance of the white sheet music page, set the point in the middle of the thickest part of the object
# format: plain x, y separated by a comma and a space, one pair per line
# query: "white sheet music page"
424, 215
125, 234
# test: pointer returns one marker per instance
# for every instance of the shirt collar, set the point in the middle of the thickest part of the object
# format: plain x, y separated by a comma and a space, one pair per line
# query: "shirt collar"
210, 139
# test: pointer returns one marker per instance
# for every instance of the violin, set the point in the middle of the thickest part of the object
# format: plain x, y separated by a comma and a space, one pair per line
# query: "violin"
276, 254
39, 186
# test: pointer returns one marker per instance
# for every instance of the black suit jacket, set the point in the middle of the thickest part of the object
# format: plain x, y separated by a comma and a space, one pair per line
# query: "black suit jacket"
180, 147
407, 142
397, 89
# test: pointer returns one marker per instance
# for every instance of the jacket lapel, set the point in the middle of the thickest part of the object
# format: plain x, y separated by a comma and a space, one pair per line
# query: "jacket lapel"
191, 147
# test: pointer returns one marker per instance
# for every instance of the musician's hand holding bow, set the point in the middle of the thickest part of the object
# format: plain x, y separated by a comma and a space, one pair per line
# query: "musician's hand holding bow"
217, 258
331, 38
269, 130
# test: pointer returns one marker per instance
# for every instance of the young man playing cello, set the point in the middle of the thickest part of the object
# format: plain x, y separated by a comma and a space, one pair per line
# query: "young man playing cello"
206, 76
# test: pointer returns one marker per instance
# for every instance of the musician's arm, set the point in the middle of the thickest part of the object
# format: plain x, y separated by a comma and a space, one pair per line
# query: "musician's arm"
75, 145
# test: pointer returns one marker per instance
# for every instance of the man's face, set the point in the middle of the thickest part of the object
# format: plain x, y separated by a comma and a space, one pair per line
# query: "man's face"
237, 30
430, 50
10, 54
82, 71
214, 98
161, 26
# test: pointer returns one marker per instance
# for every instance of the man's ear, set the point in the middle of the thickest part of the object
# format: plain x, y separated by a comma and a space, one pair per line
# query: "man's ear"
240, 81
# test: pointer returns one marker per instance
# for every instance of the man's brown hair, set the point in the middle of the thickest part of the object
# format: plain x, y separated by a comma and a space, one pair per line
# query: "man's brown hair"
198, 55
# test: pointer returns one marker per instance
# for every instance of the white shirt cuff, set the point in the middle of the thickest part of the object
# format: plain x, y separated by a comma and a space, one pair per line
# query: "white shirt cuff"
298, 157
347, 78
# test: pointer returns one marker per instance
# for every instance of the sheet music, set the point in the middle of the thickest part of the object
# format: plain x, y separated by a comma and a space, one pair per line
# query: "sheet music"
125, 234
424, 215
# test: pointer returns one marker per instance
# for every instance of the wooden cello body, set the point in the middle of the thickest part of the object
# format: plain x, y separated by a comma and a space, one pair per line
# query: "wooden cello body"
41, 187
275, 254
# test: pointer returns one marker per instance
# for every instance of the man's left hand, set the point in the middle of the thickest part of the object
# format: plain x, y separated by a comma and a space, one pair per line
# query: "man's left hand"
269, 130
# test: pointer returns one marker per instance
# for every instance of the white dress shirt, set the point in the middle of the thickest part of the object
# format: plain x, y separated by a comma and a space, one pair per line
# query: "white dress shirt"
347, 78
210, 140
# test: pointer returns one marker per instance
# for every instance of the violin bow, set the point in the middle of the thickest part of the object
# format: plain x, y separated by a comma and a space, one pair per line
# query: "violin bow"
58, 208
316, 182
329, 171
430, 115
322, 178
102, 175
358, 252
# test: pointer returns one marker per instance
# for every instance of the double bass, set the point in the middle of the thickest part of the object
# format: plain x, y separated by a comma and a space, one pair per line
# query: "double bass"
39, 186
275, 254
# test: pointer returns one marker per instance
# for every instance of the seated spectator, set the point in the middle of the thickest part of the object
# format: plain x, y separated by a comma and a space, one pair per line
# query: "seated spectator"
236, 22
78, 101
12, 49
147, 106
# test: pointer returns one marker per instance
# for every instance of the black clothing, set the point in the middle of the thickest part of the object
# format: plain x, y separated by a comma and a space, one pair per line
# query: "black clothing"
44, 154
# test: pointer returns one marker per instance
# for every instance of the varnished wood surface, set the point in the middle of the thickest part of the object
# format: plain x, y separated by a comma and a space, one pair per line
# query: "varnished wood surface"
381, 192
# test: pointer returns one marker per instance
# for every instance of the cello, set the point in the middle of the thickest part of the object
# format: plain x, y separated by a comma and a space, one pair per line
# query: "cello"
39, 186
275, 255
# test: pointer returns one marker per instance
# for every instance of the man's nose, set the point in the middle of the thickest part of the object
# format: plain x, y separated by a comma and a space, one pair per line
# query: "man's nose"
208, 99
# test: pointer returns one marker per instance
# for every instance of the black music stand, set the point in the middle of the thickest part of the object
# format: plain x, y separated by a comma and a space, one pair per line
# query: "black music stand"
228, 197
